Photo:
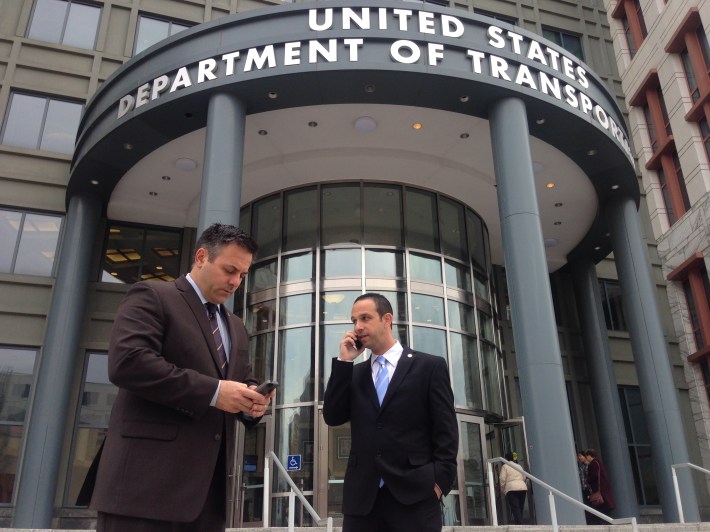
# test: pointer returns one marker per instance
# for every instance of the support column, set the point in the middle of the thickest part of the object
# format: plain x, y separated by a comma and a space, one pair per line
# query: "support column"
658, 391
607, 408
220, 199
542, 383
37, 482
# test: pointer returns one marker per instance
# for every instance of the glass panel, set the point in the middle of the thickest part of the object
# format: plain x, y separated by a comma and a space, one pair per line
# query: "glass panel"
263, 277
10, 222
82, 24
464, 370
485, 324
647, 475
300, 219
457, 276
161, 259
421, 220
38, 244
383, 263
451, 510
24, 121
122, 260
149, 32
293, 431
341, 214
177, 28
297, 268
428, 309
86, 445
476, 244
474, 474
637, 418
261, 356
295, 366
330, 338
60, 126
98, 393
432, 341
342, 263
425, 268
10, 445
481, 286
398, 300
261, 316
16, 369
461, 317
48, 20
452, 224
491, 380
383, 215
266, 226
296, 310
338, 452
253, 474
336, 306
279, 512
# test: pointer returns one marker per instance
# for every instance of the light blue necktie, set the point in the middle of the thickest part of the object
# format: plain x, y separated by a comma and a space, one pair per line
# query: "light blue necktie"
382, 379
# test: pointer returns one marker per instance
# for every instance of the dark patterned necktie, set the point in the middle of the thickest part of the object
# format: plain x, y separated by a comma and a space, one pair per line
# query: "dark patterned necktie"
212, 313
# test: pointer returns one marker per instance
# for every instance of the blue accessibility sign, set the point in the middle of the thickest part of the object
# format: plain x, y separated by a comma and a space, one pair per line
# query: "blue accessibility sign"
294, 462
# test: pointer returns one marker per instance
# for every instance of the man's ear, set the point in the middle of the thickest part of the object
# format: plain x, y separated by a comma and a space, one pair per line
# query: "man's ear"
201, 256
388, 319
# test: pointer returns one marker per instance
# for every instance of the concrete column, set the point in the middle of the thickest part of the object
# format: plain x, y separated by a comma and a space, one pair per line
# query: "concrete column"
220, 199
658, 391
542, 383
607, 409
41, 460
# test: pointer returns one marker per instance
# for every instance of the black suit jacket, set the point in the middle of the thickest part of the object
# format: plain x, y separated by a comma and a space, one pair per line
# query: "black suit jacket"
164, 437
410, 442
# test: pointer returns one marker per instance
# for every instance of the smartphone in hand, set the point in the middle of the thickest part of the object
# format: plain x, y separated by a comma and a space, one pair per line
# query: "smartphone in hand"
358, 343
266, 387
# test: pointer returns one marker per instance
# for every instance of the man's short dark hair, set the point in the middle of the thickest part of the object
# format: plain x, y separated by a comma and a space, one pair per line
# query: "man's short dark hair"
218, 235
382, 304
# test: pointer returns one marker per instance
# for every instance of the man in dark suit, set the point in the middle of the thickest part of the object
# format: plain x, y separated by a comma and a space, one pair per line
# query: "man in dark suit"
164, 461
404, 444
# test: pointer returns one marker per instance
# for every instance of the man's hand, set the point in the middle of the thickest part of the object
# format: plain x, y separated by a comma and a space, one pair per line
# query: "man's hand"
437, 490
236, 397
348, 351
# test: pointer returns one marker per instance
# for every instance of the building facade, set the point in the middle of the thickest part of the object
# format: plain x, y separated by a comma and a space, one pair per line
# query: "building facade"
443, 154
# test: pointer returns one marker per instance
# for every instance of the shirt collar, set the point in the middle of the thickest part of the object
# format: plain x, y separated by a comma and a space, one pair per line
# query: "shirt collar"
392, 355
197, 289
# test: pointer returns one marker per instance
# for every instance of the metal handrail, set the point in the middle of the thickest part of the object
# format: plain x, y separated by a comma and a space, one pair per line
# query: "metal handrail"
551, 493
676, 488
295, 492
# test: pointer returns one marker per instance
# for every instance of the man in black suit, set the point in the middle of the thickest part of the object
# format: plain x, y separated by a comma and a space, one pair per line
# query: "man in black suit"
164, 465
404, 445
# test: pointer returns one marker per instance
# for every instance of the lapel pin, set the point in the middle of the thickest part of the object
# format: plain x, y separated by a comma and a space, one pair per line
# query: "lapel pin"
409, 355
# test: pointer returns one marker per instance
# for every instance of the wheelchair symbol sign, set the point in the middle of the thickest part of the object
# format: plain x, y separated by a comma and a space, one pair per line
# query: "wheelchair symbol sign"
294, 462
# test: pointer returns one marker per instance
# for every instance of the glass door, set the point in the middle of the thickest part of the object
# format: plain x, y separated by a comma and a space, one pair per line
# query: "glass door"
472, 471
246, 486
510, 438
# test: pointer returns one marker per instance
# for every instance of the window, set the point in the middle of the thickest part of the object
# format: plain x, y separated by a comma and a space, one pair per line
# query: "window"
16, 377
639, 445
135, 253
612, 305
29, 242
570, 42
692, 276
152, 30
65, 22
691, 43
39, 122
631, 16
97, 397
510, 20
664, 161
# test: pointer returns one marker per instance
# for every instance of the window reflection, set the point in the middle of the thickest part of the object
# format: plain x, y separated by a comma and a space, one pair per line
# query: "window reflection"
152, 30
337, 305
342, 263
38, 244
421, 221
383, 215
453, 228
457, 276
428, 309
295, 365
263, 276
300, 224
261, 316
461, 317
485, 323
296, 310
464, 371
491, 379
266, 226
340, 214
292, 435
261, 356
297, 268
432, 341
425, 268
384, 263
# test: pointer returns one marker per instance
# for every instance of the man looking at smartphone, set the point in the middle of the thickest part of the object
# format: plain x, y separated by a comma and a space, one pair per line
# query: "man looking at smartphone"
180, 361
400, 406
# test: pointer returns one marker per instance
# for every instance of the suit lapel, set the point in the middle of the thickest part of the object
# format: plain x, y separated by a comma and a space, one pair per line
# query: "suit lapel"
200, 315
403, 366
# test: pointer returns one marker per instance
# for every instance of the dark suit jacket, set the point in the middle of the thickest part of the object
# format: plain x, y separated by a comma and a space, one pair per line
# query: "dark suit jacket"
164, 437
411, 441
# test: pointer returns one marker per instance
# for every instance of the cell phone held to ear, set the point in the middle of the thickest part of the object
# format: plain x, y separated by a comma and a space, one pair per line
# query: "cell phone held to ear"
358, 343
266, 387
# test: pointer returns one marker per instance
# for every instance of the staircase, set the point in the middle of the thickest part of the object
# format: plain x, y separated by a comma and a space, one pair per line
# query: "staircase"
660, 527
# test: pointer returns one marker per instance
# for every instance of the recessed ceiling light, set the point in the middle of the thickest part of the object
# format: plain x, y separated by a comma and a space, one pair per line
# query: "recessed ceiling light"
417, 125
273, 95
127, 146
313, 123
370, 88
550, 185
464, 98
94, 182
558, 204
166, 178
557, 223
540, 121
185, 164
153, 193
591, 152
597, 248
614, 187
263, 132
365, 124
464, 135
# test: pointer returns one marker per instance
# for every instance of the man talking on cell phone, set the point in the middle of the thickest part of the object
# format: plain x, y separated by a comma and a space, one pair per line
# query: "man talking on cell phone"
400, 406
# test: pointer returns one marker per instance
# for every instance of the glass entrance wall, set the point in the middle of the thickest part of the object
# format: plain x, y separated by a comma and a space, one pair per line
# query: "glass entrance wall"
322, 246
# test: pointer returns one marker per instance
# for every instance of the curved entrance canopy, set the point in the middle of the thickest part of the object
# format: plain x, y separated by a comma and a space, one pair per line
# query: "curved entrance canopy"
306, 72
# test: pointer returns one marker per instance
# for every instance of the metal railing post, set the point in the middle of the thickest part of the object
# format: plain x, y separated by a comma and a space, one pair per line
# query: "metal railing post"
492, 494
677, 488
291, 510
553, 511
267, 493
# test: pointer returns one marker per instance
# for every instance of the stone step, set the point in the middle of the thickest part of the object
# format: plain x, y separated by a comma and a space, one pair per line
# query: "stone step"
657, 527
